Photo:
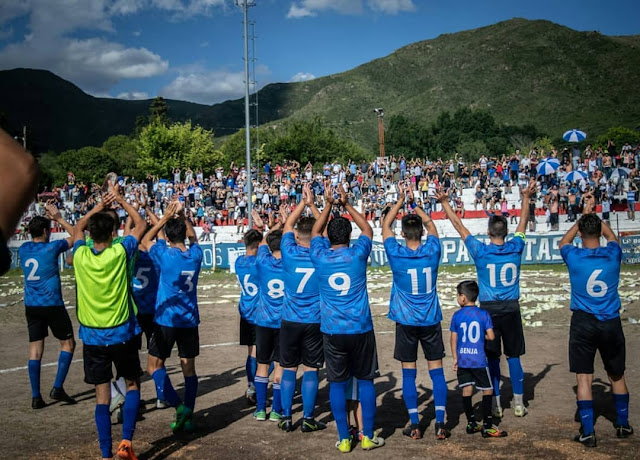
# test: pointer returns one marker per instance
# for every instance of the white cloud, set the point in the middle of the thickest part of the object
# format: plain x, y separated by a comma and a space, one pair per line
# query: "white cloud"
304, 8
302, 76
137, 33
391, 6
133, 95
187, 8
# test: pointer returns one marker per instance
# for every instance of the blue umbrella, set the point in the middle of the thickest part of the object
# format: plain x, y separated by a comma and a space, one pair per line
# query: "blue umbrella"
575, 176
574, 135
619, 173
548, 166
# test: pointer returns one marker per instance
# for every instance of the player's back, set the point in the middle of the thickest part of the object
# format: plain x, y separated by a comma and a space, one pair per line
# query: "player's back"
342, 279
39, 262
301, 293
177, 302
594, 276
145, 283
270, 289
247, 274
471, 324
414, 300
498, 268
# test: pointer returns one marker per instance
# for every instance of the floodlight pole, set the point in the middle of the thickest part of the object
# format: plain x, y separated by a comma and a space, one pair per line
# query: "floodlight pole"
380, 113
245, 4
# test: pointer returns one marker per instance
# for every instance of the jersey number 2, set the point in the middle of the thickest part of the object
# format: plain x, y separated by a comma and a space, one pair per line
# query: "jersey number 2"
34, 268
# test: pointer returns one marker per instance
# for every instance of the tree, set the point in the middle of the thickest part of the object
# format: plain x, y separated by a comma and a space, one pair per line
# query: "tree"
158, 111
407, 137
619, 135
123, 151
162, 148
89, 164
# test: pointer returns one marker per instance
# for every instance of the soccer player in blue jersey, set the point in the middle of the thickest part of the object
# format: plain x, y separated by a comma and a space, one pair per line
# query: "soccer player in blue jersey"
469, 327
415, 307
108, 325
594, 272
267, 319
345, 315
176, 313
300, 335
247, 274
498, 270
43, 302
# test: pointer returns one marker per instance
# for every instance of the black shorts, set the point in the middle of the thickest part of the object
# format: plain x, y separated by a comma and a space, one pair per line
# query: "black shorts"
509, 335
267, 344
605, 216
247, 332
148, 327
40, 319
164, 337
474, 376
301, 343
98, 360
588, 334
351, 355
407, 338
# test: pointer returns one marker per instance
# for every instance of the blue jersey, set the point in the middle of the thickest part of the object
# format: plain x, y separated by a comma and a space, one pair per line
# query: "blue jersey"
301, 294
498, 268
247, 274
342, 278
177, 302
594, 276
270, 289
39, 262
414, 299
471, 323
145, 284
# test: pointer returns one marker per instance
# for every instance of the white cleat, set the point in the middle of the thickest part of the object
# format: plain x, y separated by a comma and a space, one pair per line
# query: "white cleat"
496, 412
520, 411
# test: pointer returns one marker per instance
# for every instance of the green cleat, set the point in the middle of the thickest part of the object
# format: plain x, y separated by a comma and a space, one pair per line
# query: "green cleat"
344, 445
183, 413
274, 417
260, 415
371, 443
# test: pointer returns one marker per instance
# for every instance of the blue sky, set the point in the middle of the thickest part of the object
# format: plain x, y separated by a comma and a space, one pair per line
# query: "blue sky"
192, 49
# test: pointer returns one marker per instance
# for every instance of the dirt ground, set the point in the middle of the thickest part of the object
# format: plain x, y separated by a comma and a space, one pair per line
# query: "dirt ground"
225, 428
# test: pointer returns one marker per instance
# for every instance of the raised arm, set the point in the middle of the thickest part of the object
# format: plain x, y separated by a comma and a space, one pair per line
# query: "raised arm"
170, 212
53, 213
569, 236
443, 198
138, 221
357, 217
309, 201
427, 221
387, 232
527, 193
191, 233
291, 220
323, 218
81, 225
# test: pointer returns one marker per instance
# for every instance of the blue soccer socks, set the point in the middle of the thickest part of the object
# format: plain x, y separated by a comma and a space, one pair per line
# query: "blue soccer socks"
276, 404
34, 377
130, 413
309, 393
338, 400
585, 409
64, 361
494, 371
250, 367
516, 375
261, 393
410, 393
622, 408
287, 390
103, 424
439, 393
190, 391
164, 387
368, 400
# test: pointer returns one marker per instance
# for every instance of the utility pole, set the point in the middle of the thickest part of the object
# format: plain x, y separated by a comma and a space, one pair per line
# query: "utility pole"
254, 82
380, 112
24, 136
245, 4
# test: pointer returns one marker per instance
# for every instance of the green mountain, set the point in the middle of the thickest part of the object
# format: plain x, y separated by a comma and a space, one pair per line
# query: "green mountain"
521, 71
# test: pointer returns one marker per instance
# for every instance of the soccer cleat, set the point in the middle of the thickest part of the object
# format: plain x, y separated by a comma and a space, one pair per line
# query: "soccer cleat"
59, 394
125, 451
474, 427
250, 394
413, 431
588, 440
520, 411
441, 432
116, 402
38, 402
371, 443
493, 432
189, 426
260, 415
310, 425
496, 411
344, 445
274, 416
183, 413
286, 424
160, 404
623, 431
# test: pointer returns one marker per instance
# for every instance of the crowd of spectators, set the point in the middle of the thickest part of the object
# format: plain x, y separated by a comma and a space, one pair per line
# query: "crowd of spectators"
219, 197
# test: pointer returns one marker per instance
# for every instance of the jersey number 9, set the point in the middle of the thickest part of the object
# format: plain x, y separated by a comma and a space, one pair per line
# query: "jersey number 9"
342, 286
